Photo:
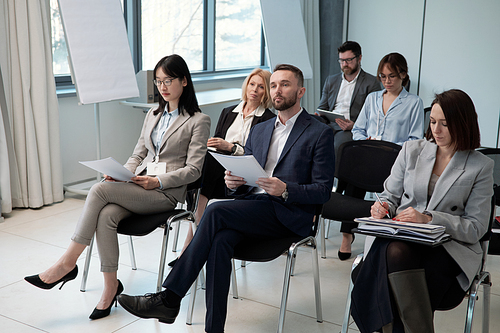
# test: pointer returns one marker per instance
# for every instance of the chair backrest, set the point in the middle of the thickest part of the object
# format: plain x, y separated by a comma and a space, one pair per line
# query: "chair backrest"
427, 117
365, 164
194, 189
143, 224
494, 154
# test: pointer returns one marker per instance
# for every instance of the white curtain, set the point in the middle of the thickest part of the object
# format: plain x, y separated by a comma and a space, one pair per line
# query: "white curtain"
310, 13
31, 115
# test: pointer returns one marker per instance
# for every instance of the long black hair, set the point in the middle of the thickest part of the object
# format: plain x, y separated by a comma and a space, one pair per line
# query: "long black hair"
175, 67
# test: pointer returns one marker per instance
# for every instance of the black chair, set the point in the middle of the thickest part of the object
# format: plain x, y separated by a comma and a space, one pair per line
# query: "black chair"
259, 250
483, 278
141, 225
427, 115
362, 166
494, 154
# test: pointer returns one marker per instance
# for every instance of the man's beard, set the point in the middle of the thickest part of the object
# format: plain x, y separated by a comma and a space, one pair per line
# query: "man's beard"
348, 71
285, 104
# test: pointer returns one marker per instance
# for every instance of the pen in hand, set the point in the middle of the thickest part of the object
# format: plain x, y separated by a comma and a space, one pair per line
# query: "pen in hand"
380, 202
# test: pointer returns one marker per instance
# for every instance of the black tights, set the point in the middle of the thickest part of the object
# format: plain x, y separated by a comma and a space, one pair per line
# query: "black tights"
440, 271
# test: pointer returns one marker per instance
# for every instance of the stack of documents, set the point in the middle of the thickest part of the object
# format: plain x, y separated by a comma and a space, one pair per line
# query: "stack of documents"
428, 234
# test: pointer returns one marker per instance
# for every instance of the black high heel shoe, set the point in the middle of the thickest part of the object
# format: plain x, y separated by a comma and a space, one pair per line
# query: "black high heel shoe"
346, 255
98, 314
36, 281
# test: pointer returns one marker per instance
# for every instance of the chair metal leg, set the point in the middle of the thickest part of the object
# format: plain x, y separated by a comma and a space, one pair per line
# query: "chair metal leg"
233, 280
322, 235
286, 287
243, 263
202, 279
483, 280
176, 237
163, 257
347, 313
327, 229
317, 289
132, 253
192, 299
292, 252
86, 266
486, 305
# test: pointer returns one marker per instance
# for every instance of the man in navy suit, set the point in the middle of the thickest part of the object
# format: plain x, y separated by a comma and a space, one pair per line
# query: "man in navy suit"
296, 152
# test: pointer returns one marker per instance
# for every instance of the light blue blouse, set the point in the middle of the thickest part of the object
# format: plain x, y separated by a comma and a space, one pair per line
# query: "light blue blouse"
404, 120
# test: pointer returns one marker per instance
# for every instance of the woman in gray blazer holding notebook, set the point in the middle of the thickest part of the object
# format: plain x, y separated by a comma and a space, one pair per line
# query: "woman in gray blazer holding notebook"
169, 155
439, 180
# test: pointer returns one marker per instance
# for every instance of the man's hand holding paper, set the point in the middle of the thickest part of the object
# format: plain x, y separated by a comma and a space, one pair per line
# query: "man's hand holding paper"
272, 186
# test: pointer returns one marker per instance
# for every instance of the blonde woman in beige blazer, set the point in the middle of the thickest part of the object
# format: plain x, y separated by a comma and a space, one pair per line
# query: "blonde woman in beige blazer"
439, 180
173, 143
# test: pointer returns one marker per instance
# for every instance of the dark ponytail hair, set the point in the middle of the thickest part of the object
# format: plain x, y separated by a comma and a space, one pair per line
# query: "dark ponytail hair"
175, 67
397, 63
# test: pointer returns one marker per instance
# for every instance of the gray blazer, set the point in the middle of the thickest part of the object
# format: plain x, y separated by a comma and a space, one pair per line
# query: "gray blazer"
183, 148
461, 200
366, 84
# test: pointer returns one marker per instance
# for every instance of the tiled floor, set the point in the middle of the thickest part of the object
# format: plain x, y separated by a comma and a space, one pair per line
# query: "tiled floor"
31, 240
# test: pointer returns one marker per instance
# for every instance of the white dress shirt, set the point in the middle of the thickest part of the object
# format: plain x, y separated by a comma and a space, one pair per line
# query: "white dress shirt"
344, 97
167, 118
278, 140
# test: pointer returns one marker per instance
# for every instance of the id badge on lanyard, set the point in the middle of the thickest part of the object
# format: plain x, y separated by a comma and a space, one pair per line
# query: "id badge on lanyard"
156, 168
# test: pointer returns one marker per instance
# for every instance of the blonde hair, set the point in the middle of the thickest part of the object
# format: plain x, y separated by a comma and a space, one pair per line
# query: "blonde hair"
266, 76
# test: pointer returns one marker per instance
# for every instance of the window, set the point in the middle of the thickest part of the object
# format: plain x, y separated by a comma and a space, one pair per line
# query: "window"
169, 26
59, 49
211, 35
237, 34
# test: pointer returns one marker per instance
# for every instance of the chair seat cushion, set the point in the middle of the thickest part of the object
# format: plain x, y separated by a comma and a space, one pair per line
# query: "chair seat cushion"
140, 225
345, 208
263, 250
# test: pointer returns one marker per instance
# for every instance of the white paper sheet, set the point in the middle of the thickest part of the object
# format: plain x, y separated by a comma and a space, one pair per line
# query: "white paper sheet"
242, 166
109, 166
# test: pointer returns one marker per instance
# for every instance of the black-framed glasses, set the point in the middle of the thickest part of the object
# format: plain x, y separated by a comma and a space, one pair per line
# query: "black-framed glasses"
166, 82
347, 61
390, 77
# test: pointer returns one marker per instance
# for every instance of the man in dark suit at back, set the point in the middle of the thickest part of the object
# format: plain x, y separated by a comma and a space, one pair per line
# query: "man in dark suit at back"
346, 91
295, 151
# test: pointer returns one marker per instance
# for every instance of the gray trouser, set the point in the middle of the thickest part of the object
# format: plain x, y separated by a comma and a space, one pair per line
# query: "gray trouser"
340, 137
107, 204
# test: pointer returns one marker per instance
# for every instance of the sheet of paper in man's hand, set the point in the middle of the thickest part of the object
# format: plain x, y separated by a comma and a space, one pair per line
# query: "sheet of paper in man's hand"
109, 166
245, 166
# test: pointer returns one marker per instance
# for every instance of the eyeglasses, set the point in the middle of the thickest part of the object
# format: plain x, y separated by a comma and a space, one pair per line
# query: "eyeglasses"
347, 61
391, 77
166, 82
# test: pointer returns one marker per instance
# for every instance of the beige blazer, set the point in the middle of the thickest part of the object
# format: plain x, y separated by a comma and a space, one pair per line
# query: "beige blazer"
183, 148
461, 200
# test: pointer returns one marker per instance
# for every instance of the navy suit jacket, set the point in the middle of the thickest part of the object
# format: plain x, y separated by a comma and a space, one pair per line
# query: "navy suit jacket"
306, 165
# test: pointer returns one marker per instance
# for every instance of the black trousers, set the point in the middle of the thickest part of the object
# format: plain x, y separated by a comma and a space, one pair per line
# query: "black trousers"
223, 225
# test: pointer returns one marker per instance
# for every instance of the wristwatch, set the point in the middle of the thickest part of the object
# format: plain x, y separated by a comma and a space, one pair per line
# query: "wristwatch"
233, 149
284, 195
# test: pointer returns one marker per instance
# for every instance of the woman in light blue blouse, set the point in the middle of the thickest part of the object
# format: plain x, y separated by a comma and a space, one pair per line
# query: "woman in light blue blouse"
392, 114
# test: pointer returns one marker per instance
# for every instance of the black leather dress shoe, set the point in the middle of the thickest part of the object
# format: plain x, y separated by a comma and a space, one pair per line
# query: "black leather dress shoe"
149, 306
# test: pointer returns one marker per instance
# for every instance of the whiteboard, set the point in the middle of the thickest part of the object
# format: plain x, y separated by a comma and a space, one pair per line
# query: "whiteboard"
285, 35
99, 54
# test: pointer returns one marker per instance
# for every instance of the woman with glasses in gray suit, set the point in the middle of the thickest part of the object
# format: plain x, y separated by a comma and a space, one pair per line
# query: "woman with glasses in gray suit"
169, 155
